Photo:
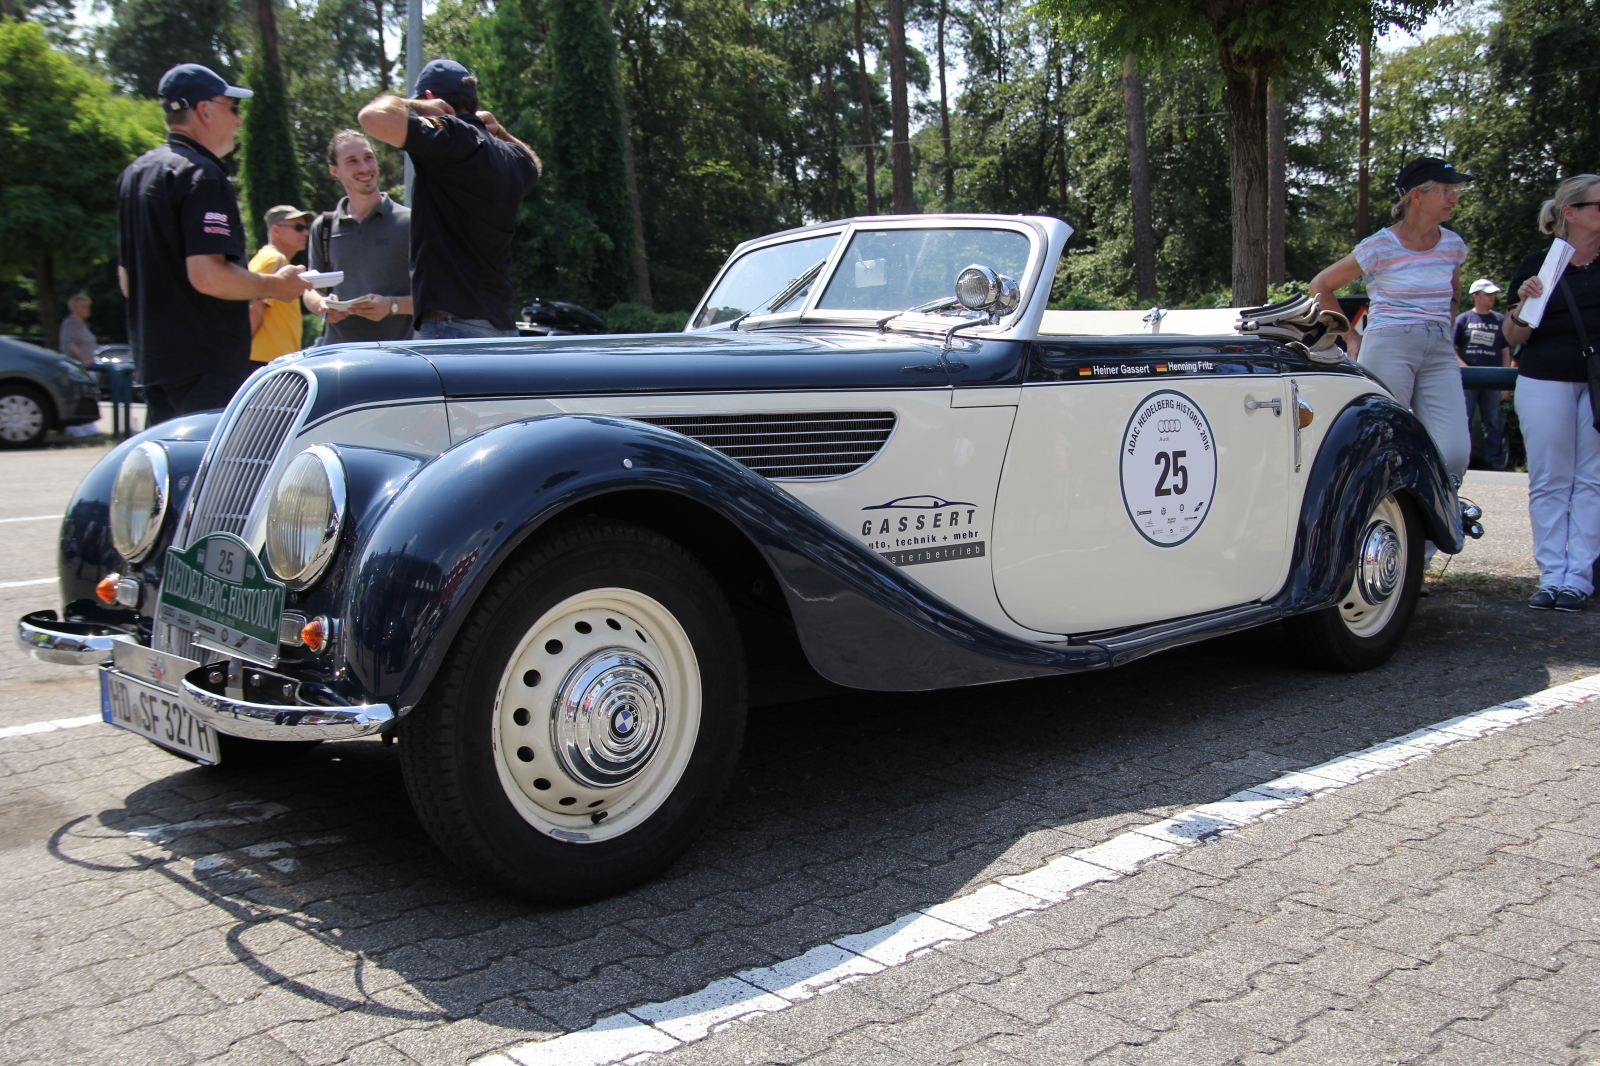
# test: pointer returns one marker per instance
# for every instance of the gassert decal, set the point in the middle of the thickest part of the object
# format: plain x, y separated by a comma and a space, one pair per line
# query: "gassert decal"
929, 529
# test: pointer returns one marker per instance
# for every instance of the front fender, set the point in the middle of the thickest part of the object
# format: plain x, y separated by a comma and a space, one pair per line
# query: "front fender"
1374, 448
861, 620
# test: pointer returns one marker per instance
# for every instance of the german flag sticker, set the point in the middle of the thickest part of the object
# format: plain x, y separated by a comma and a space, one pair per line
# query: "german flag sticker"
1161, 368
1084, 372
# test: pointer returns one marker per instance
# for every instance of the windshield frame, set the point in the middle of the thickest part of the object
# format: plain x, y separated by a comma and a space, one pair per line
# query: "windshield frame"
809, 314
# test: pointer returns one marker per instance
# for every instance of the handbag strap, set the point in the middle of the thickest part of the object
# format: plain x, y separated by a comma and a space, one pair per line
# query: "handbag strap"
1577, 320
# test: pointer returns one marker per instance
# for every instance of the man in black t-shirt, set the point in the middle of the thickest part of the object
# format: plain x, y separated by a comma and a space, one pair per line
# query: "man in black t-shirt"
180, 250
471, 177
1480, 342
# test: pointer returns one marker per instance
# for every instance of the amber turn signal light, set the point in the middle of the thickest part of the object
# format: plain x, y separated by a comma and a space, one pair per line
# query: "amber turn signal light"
107, 588
314, 634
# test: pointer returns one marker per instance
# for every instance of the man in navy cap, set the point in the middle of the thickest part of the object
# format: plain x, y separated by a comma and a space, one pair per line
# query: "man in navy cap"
182, 250
471, 176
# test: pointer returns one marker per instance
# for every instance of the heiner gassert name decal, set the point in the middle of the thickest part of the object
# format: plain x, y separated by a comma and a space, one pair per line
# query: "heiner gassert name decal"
923, 529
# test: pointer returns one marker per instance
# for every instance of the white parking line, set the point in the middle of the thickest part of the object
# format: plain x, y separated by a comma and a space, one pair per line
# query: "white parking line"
642, 1032
49, 727
30, 581
34, 518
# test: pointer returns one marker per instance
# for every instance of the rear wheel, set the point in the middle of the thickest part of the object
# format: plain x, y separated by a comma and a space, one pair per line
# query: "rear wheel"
1366, 626
587, 719
24, 415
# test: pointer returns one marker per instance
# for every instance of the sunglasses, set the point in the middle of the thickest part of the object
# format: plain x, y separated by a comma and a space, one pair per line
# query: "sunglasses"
298, 227
1586, 203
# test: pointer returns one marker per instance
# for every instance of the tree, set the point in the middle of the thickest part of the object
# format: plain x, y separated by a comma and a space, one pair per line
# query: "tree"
868, 139
588, 161
1144, 241
948, 166
1277, 182
1251, 39
899, 111
65, 140
270, 164
147, 38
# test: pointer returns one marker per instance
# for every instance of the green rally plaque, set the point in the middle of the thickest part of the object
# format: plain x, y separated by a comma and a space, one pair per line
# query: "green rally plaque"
219, 589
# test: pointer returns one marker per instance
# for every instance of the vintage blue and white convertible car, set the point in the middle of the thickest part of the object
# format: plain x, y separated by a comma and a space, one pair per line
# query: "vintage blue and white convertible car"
558, 570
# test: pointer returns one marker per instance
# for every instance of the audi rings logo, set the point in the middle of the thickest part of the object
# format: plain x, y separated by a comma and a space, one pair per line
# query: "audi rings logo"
1168, 425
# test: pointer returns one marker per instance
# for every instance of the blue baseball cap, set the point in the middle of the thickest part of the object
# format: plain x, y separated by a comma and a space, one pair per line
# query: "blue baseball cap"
441, 77
189, 83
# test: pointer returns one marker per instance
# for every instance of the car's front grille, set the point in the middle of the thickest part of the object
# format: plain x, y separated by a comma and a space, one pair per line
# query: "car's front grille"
235, 472
790, 444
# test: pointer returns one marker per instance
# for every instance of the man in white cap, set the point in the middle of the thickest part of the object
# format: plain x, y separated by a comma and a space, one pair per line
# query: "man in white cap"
1481, 342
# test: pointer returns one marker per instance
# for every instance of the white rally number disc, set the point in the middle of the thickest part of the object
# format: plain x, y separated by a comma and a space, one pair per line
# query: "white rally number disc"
1169, 468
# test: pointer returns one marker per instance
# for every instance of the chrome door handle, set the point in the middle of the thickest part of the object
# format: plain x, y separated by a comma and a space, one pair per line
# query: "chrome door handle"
1256, 405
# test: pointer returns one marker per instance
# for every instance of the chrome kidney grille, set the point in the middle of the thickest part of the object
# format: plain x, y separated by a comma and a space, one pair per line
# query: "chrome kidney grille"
801, 444
248, 445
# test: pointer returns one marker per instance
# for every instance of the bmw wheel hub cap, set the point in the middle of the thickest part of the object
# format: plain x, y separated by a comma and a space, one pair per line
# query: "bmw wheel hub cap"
608, 718
1380, 563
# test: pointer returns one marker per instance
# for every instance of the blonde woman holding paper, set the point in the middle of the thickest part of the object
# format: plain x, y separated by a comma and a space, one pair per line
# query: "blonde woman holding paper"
1552, 398
1413, 277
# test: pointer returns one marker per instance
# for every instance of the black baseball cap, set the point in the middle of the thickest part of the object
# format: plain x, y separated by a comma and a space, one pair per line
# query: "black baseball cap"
442, 77
189, 83
1428, 169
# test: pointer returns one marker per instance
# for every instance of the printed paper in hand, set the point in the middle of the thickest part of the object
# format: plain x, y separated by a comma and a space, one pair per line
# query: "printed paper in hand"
323, 279
1555, 264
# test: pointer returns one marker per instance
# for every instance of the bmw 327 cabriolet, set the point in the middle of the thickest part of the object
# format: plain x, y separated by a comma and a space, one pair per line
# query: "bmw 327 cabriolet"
558, 570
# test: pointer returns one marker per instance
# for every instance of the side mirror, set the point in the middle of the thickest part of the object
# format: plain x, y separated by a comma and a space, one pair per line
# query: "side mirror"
979, 288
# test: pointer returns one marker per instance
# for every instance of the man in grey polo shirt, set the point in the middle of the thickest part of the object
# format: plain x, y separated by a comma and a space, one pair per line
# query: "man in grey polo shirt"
370, 240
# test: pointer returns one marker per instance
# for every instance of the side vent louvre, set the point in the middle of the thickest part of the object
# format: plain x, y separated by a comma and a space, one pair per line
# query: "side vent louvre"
811, 444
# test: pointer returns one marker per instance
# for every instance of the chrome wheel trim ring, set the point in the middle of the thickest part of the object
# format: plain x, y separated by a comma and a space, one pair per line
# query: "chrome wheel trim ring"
21, 418
1361, 616
599, 706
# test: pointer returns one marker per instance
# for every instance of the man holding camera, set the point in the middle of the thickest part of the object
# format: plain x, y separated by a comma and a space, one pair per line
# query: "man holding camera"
471, 177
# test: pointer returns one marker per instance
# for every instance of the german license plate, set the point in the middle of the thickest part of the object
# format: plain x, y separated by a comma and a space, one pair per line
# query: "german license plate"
218, 589
156, 714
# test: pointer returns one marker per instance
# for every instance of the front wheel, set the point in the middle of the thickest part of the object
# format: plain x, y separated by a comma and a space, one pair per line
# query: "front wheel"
587, 719
1365, 627
24, 416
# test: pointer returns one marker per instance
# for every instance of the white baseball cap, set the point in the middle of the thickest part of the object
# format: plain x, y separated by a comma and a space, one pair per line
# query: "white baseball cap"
1482, 285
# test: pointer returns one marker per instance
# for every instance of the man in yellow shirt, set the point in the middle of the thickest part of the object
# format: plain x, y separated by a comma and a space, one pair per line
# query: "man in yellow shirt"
275, 324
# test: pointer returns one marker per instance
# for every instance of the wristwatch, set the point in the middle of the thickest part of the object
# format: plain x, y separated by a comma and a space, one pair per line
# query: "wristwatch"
394, 305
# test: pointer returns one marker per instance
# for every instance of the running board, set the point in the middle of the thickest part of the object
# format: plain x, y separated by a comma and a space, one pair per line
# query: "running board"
1126, 645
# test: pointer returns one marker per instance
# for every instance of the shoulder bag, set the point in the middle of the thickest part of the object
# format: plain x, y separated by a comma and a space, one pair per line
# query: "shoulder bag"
1591, 364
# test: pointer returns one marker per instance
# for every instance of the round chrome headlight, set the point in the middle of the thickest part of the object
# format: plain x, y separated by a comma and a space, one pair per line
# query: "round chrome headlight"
139, 501
977, 288
305, 516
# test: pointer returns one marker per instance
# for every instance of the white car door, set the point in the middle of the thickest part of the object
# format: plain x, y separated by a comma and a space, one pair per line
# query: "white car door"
1141, 487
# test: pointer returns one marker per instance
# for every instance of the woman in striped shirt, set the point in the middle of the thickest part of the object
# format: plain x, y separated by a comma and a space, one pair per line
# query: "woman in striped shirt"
1413, 276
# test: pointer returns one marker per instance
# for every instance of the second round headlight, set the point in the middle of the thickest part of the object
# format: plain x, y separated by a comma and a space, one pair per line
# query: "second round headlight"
305, 516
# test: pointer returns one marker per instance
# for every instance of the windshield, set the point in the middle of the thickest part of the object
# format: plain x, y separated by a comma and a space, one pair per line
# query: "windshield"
897, 269
759, 276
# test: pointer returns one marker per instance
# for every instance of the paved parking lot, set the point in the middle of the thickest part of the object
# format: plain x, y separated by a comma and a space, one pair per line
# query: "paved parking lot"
1446, 911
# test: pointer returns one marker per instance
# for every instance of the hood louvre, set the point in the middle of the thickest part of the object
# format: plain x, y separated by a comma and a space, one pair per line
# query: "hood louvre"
800, 444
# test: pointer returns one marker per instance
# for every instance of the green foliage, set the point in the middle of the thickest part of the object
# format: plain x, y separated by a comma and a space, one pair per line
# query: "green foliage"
587, 167
146, 38
65, 139
270, 163
636, 318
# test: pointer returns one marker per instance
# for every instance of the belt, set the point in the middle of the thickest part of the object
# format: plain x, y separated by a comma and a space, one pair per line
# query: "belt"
430, 316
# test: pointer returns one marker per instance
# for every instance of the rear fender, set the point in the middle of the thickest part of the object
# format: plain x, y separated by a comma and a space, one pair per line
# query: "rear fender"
862, 622
1374, 448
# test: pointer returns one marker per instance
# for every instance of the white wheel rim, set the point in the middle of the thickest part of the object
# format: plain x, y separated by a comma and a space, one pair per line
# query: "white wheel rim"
1382, 554
598, 706
21, 418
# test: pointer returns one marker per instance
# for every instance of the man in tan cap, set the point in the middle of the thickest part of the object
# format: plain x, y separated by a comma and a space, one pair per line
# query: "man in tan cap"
275, 324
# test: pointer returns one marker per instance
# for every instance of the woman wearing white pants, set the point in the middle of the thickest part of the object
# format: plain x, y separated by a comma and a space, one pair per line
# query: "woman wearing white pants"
1413, 277
1552, 400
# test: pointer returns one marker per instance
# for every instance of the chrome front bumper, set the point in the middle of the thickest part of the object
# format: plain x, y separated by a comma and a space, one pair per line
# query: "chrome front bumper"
250, 701
51, 640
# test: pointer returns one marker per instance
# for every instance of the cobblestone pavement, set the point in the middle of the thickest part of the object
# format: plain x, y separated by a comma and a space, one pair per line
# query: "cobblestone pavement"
1447, 911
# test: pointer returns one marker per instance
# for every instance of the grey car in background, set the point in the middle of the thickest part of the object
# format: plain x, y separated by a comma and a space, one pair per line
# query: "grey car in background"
41, 390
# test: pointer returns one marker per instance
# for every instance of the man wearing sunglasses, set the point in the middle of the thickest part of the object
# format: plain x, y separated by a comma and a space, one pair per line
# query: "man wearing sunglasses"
181, 252
275, 324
